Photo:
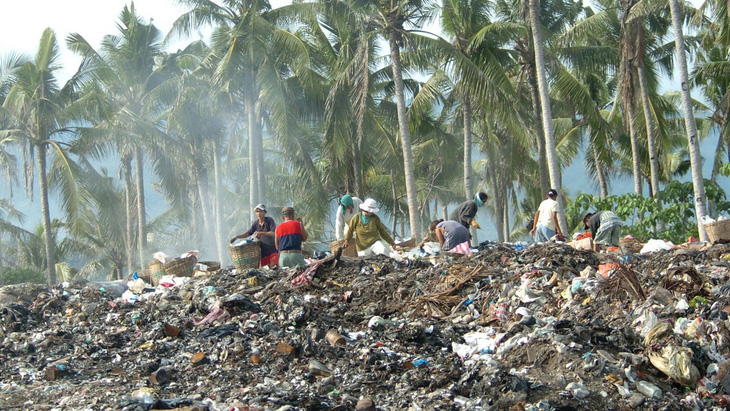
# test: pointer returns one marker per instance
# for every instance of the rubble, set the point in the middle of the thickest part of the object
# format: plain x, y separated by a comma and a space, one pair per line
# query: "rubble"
509, 327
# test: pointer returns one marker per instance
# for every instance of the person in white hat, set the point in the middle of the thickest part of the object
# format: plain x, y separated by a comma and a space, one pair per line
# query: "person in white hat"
368, 230
263, 228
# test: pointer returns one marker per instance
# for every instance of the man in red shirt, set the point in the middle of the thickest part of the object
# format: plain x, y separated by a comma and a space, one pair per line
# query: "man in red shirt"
289, 237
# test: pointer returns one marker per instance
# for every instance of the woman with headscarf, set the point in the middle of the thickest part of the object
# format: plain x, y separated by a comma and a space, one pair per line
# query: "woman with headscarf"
348, 207
466, 211
368, 230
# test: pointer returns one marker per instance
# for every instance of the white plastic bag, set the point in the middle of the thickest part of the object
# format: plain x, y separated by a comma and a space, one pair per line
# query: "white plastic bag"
653, 245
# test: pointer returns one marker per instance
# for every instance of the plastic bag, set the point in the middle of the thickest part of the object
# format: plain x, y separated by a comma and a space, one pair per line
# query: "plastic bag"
653, 245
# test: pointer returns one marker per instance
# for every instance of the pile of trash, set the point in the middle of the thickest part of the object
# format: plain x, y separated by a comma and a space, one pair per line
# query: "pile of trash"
542, 327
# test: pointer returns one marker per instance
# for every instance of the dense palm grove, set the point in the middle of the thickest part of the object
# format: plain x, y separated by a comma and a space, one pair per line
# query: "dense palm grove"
415, 103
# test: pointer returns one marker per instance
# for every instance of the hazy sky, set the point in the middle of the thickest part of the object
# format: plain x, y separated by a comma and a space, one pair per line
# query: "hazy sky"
22, 22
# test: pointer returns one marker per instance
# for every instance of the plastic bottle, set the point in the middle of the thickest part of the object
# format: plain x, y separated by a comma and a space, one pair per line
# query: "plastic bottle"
648, 389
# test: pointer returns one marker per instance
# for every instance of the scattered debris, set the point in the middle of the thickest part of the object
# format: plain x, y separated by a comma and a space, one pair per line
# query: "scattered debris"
537, 327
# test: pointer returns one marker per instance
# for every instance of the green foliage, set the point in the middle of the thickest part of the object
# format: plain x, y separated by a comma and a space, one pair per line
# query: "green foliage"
22, 275
725, 169
670, 215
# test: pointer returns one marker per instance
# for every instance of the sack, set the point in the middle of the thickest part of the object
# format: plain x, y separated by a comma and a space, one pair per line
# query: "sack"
583, 244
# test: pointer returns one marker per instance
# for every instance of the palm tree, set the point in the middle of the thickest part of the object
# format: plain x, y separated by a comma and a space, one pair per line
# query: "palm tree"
118, 77
473, 36
37, 114
689, 120
547, 119
392, 17
712, 74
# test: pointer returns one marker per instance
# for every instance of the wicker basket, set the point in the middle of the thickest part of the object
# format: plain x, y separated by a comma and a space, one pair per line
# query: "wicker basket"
181, 267
156, 270
719, 231
213, 266
350, 251
246, 256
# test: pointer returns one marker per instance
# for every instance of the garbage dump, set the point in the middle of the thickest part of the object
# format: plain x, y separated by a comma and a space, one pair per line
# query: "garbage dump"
544, 327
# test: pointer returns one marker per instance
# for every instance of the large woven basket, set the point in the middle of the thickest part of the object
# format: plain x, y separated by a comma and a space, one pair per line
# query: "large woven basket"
181, 267
719, 231
156, 270
212, 265
246, 256
350, 251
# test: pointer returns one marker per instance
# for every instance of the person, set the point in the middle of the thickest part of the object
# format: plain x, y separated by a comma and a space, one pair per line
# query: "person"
368, 230
605, 228
289, 236
449, 233
545, 224
348, 207
263, 229
466, 211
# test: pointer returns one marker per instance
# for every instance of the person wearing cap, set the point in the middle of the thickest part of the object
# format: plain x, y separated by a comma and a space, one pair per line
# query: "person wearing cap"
348, 207
368, 230
605, 228
289, 237
466, 211
545, 224
449, 233
263, 229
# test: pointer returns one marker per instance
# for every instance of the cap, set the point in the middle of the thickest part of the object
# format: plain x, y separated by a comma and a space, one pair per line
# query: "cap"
552, 193
261, 207
288, 211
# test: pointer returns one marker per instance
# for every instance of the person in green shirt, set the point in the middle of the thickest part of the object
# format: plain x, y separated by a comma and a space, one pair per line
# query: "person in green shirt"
368, 230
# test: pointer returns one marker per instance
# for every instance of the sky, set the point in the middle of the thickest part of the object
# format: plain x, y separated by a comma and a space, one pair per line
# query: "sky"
22, 22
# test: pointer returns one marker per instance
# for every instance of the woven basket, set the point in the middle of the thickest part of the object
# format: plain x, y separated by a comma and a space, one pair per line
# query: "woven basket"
246, 256
718, 231
350, 251
156, 270
181, 267
213, 266
410, 243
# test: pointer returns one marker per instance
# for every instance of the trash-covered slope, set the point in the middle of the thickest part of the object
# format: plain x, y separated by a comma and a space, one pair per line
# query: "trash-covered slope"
535, 329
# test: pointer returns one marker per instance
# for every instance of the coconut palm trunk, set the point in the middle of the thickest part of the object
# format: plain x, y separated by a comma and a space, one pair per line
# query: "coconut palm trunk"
491, 174
547, 116
253, 186
689, 120
129, 212
631, 114
648, 117
650, 135
467, 147
405, 137
394, 192
602, 184
260, 175
46, 215
539, 133
141, 217
217, 204
201, 185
